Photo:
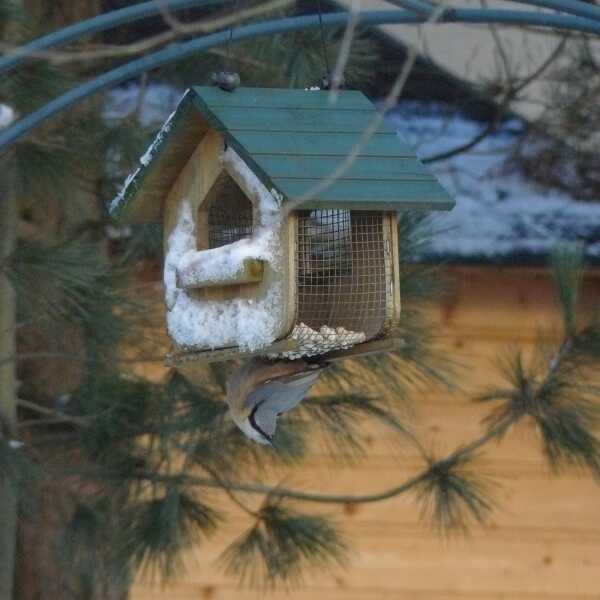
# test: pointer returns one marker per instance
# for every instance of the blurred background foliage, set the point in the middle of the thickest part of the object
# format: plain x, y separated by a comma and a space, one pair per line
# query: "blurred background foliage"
117, 473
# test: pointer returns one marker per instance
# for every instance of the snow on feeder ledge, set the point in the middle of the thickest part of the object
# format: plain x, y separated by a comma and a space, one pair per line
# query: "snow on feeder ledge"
241, 275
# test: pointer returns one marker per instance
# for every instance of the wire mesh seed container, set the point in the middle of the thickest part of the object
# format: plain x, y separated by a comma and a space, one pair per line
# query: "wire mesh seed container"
346, 279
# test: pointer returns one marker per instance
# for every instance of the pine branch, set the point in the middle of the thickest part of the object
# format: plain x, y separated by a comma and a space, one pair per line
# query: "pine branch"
567, 268
459, 455
340, 419
147, 534
156, 531
17, 471
233, 497
453, 494
83, 543
55, 415
557, 394
282, 545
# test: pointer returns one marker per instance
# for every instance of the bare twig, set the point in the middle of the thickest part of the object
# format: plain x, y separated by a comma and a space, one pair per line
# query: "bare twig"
502, 52
141, 95
100, 52
227, 489
511, 92
344, 51
169, 18
55, 415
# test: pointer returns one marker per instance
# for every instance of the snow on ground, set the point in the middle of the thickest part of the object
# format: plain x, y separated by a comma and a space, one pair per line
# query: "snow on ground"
159, 100
498, 214
7, 115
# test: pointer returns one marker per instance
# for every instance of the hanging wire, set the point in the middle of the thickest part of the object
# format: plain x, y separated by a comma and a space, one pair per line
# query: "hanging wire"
229, 59
323, 42
227, 79
327, 81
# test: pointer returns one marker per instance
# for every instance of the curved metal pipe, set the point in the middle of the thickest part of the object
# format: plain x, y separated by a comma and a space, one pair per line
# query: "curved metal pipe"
182, 50
148, 9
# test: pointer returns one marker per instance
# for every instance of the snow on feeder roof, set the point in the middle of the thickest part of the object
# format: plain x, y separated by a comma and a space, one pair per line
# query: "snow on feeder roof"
243, 276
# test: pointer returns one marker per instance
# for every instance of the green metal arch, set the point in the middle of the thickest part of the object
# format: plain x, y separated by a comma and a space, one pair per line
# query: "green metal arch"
148, 9
182, 50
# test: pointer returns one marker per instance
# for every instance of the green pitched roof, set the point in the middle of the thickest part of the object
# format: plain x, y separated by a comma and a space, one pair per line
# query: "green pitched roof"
292, 139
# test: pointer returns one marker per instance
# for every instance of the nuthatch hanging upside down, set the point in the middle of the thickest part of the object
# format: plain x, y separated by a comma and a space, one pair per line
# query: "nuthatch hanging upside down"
262, 390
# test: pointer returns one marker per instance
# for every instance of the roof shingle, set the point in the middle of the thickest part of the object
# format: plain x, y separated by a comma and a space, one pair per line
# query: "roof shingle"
292, 139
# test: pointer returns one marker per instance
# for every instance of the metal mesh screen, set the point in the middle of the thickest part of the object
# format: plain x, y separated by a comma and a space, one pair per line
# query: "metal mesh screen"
342, 278
229, 215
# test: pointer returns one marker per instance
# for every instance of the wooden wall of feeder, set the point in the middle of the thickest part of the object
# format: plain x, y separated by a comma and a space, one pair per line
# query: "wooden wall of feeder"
245, 275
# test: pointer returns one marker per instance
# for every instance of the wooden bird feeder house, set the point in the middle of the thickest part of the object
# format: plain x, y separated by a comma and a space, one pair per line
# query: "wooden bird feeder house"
260, 256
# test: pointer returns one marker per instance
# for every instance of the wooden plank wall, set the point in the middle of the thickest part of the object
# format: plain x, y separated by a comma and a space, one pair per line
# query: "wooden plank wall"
543, 541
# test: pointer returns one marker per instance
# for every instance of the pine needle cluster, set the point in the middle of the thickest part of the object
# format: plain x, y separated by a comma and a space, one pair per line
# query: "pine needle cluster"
282, 545
558, 390
454, 494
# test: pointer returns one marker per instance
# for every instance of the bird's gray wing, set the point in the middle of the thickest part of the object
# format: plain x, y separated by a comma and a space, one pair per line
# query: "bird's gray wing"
285, 392
280, 396
265, 418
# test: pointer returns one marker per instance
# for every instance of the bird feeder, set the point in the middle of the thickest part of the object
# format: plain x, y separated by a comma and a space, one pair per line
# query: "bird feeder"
263, 254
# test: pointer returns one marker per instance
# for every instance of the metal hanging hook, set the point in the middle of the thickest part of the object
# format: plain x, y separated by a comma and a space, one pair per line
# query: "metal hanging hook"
227, 79
326, 82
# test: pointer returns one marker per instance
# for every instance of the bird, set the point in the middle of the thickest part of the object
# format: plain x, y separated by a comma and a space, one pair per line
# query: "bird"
262, 390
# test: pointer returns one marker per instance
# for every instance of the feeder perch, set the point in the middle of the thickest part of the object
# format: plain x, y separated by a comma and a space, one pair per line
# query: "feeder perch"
249, 270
